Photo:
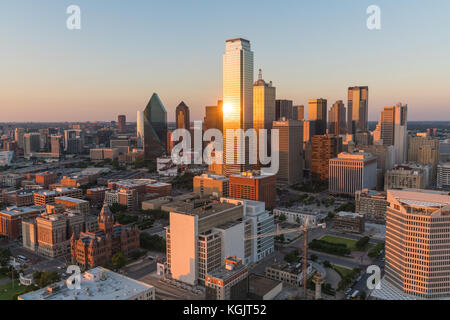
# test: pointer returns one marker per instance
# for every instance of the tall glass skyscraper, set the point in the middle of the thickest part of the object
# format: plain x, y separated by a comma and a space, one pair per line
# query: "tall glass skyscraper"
155, 128
182, 116
237, 98
140, 129
357, 109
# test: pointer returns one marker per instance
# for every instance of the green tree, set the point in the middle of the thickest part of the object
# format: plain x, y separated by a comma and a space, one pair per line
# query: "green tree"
5, 255
314, 257
119, 260
282, 217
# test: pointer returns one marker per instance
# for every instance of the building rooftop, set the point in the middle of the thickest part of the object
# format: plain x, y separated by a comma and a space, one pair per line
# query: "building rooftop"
344, 214
70, 199
255, 174
15, 211
96, 284
203, 208
261, 285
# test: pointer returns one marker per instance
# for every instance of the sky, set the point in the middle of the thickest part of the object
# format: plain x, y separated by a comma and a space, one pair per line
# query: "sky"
126, 50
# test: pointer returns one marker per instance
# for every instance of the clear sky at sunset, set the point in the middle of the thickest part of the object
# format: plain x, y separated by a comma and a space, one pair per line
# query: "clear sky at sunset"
126, 50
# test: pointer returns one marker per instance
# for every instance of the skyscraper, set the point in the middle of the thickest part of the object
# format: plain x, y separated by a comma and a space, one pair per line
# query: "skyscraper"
155, 128
317, 112
299, 112
140, 129
182, 116
32, 142
263, 108
122, 123
323, 148
18, 136
392, 130
237, 99
283, 109
336, 119
290, 148
358, 109
214, 116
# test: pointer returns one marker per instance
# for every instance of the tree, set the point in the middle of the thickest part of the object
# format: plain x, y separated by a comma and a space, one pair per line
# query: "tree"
362, 243
117, 207
282, 217
152, 242
313, 257
5, 255
327, 264
119, 260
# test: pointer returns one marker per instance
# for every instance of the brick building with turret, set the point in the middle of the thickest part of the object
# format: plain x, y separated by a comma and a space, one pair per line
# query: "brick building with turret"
91, 249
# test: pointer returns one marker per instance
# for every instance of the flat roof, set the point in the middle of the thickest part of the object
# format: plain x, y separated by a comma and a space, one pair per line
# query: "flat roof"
200, 211
96, 284
71, 199
348, 214
261, 285
15, 211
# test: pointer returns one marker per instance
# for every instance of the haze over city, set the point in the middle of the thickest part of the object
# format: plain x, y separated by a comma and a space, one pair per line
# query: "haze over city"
123, 54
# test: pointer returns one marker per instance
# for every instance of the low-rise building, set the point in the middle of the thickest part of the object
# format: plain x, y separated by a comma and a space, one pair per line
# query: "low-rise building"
96, 195
411, 176
263, 288
229, 282
372, 205
209, 184
443, 176
288, 273
44, 197
82, 206
300, 214
96, 284
349, 222
11, 220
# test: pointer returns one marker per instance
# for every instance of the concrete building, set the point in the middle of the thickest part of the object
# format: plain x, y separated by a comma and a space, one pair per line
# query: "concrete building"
74, 204
323, 148
214, 185
229, 282
290, 170
32, 143
357, 109
337, 123
372, 205
283, 109
408, 176
417, 242
43, 197
349, 222
11, 220
301, 214
317, 113
96, 284
350, 172
201, 235
417, 142
252, 185
237, 100
385, 160
262, 288
443, 176
287, 273
104, 153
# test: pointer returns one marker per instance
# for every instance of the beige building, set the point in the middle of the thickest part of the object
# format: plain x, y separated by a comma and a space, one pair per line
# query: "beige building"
317, 113
407, 176
372, 205
418, 242
211, 185
350, 172
357, 109
417, 142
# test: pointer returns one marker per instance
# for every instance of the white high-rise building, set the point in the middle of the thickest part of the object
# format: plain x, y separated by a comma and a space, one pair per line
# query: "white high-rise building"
140, 129
237, 98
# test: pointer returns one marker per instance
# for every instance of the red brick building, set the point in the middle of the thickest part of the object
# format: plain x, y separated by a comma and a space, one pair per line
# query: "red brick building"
91, 249
96, 195
45, 178
11, 220
252, 185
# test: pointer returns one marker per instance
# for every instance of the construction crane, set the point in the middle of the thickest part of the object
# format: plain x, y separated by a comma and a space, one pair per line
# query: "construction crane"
304, 228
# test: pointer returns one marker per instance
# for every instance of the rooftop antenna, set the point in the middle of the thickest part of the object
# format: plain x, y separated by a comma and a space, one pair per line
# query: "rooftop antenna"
260, 75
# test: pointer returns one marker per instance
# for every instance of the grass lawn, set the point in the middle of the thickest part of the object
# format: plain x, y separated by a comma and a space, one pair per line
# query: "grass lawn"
350, 243
341, 270
7, 292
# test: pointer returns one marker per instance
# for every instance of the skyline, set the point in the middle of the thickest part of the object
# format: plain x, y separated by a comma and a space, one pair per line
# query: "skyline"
106, 69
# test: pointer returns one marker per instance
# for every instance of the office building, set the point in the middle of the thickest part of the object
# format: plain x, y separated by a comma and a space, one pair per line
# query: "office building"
290, 274
263, 111
337, 123
11, 220
6, 158
300, 215
283, 109
45, 178
357, 109
298, 112
417, 242
182, 116
443, 176
408, 176
417, 142
122, 123
317, 113
140, 129
56, 145
237, 102
252, 185
323, 148
349, 222
73, 141
18, 137
371, 205
201, 235
32, 143
290, 132
211, 185
350, 172
229, 282
155, 129
44, 197
214, 116
385, 160
74, 204
96, 284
